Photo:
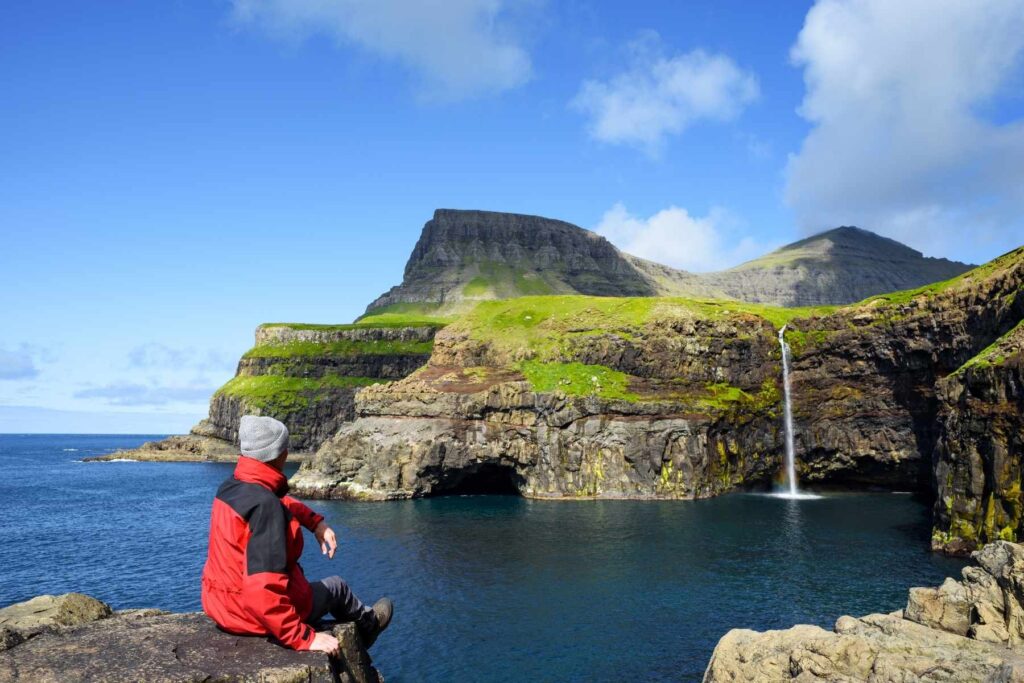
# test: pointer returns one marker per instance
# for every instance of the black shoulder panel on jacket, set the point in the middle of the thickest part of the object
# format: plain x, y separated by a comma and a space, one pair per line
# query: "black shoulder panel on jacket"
267, 518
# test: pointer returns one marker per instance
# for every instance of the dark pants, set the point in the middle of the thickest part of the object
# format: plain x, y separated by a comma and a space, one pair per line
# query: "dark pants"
332, 595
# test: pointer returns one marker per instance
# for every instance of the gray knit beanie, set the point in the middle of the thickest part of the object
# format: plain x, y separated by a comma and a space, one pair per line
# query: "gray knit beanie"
262, 438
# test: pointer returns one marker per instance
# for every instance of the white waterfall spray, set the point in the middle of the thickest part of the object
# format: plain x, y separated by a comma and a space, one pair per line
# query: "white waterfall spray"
790, 447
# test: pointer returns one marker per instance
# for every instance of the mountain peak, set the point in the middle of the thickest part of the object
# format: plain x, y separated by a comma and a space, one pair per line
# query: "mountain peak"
463, 256
838, 266
851, 238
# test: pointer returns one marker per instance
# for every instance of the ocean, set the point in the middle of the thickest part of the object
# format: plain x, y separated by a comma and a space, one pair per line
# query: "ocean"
486, 588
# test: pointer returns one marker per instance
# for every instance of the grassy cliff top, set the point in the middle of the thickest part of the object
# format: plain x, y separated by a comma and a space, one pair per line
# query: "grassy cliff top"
311, 349
382, 321
995, 268
539, 322
281, 396
1010, 345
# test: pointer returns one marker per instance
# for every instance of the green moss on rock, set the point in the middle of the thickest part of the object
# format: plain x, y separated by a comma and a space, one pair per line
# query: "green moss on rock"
281, 395
577, 379
310, 349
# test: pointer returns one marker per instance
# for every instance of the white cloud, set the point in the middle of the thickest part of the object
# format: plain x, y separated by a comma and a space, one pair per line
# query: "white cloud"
675, 238
907, 137
658, 96
458, 47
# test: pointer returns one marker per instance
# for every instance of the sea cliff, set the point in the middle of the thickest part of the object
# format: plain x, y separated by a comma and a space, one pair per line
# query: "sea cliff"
574, 397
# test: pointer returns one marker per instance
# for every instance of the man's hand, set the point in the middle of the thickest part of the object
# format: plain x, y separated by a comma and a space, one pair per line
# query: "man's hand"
326, 538
325, 642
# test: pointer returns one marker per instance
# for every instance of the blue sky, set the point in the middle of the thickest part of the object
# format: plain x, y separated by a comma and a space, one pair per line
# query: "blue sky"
173, 174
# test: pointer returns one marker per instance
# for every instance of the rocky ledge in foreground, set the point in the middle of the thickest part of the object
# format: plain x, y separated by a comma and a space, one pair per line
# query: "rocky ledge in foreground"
74, 637
968, 630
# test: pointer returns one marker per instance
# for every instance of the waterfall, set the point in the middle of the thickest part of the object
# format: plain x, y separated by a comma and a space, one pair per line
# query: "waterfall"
790, 448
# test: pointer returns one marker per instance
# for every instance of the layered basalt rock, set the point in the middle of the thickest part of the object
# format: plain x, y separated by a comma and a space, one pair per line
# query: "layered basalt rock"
510, 439
978, 463
471, 420
963, 631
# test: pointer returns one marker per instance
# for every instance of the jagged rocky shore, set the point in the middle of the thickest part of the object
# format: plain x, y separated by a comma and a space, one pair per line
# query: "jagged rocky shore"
74, 638
966, 631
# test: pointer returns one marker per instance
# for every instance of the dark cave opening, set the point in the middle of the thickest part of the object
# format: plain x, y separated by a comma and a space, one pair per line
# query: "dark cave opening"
488, 479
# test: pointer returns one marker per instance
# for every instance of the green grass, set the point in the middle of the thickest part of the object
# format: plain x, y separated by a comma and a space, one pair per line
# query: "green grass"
541, 324
972, 276
776, 315
531, 284
799, 340
384, 320
503, 281
577, 379
282, 395
721, 395
308, 349
995, 353
477, 287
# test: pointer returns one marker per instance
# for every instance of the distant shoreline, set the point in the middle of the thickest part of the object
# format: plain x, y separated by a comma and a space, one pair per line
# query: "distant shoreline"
141, 455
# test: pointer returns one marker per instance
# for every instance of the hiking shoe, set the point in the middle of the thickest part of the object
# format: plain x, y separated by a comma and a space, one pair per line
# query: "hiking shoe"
382, 611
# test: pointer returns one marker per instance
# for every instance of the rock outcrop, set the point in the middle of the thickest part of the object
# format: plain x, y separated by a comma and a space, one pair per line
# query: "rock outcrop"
73, 637
467, 256
969, 630
979, 458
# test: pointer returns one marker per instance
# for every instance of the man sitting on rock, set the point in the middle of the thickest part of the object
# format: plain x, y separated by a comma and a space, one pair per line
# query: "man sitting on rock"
252, 581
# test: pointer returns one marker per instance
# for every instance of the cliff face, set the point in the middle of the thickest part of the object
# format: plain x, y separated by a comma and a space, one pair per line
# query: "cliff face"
468, 256
306, 376
643, 398
963, 631
978, 459
867, 376
580, 396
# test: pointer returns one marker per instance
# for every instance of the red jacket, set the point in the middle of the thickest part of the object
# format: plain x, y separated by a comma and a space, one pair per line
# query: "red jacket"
252, 581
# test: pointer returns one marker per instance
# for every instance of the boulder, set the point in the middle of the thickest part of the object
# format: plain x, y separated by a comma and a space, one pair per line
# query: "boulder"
969, 630
48, 612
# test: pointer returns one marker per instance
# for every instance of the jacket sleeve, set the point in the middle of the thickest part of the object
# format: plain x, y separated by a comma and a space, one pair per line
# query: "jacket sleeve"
306, 517
265, 584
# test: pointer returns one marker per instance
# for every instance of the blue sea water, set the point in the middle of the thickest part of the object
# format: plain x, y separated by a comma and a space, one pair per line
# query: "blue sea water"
487, 588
